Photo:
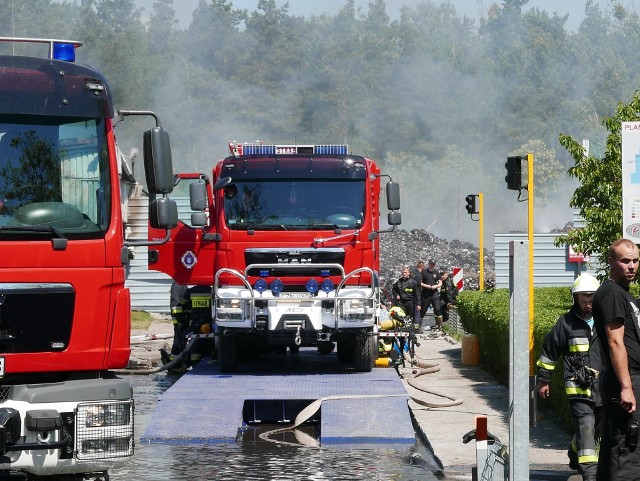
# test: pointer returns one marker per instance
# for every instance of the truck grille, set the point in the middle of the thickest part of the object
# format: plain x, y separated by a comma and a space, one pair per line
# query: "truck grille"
281, 259
35, 317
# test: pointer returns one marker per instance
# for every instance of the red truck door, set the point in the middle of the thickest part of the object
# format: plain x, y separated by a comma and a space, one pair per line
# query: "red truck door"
189, 255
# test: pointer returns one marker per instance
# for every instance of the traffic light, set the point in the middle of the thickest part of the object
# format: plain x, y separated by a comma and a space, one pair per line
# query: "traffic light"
471, 204
514, 173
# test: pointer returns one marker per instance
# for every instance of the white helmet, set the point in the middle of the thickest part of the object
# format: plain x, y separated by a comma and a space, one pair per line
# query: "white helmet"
585, 283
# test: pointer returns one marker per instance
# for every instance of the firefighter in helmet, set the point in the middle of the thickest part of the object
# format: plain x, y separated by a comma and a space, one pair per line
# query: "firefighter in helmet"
573, 339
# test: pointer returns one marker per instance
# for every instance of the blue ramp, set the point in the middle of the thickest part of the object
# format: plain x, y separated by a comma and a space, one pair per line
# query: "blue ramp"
205, 406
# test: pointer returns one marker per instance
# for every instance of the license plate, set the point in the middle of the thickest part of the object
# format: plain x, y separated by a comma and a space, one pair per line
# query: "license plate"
1, 366
200, 302
295, 295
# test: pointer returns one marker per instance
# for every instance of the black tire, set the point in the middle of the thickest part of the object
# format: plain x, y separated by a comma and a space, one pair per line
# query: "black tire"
228, 353
344, 351
366, 353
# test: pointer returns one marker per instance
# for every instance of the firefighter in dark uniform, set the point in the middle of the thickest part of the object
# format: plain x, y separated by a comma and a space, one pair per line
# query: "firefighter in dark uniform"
179, 304
200, 322
180, 307
406, 293
573, 339
416, 273
431, 284
448, 294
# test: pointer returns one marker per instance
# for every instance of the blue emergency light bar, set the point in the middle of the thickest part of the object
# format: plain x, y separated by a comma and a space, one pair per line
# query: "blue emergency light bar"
261, 149
58, 49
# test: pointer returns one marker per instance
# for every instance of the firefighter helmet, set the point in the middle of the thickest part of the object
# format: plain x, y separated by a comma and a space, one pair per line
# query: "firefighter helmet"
397, 314
585, 283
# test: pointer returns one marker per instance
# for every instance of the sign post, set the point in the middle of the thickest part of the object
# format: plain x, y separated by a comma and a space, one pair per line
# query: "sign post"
631, 181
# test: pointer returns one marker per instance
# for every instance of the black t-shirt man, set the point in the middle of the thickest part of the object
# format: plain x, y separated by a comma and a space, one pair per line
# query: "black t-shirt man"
615, 317
431, 277
612, 301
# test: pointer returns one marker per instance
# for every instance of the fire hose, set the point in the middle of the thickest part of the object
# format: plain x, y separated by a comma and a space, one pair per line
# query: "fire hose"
175, 361
308, 412
427, 368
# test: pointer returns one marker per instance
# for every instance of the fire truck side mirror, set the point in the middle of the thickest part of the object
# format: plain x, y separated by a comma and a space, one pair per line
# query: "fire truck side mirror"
394, 218
393, 196
198, 195
163, 213
158, 164
198, 219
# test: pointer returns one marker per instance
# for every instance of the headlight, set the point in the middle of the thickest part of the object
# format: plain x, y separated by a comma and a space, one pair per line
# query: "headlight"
230, 310
229, 303
112, 414
104, 429
358, 309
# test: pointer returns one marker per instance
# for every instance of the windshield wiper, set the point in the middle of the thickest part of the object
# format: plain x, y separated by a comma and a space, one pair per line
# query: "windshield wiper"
41, 228
58, 241
265, 227
324, 227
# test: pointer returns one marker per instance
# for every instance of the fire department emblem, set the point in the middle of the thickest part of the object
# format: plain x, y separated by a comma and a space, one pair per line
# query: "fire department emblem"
189, 259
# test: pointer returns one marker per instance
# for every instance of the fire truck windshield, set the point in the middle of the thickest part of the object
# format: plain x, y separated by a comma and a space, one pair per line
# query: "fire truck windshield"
54, 175
274, 204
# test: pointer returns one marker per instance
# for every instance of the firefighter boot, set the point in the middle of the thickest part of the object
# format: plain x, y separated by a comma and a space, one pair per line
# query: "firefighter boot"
165, 357
438, 323
573, 459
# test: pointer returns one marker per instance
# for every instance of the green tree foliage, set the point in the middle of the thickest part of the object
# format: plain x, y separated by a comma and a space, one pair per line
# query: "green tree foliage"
115, 28
599, 196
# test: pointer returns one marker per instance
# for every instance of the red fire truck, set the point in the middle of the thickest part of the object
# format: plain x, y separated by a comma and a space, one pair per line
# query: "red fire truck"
287, 238
64, 309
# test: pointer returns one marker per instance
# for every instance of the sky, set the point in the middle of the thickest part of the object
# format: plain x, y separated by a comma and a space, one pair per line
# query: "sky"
471, 8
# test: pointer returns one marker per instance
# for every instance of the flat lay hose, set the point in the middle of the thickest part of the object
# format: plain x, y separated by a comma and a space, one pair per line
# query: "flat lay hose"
308, 412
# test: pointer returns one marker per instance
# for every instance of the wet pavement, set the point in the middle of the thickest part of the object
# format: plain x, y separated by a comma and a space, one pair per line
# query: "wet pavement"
439, 452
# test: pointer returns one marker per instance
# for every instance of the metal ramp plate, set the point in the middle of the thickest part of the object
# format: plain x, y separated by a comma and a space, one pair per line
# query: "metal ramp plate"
205, 406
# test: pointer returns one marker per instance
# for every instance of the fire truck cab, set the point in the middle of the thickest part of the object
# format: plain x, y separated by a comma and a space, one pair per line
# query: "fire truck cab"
64, 309
287, 237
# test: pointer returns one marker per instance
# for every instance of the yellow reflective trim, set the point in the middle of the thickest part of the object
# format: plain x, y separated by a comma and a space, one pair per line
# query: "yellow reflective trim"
579, 348
576, 391
548, 367
587, 459
176, 310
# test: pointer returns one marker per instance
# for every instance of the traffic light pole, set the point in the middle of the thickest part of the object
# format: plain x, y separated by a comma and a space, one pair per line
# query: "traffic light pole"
476, 207
514, 182
481, 242
530, 204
